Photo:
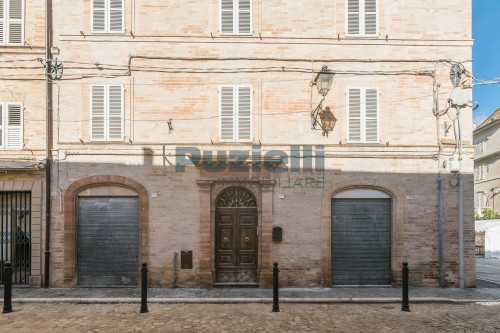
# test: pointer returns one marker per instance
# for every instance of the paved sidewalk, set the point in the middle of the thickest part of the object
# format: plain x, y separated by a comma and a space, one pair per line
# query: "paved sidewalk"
287, 295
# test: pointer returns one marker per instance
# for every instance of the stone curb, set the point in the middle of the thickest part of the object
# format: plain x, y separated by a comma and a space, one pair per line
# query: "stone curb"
248, 300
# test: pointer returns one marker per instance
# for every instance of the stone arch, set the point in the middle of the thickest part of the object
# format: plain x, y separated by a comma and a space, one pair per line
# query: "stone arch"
70, 197
397, 238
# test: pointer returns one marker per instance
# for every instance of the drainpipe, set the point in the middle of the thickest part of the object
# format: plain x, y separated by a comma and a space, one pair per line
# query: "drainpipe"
460, 209
48, 119
440, 183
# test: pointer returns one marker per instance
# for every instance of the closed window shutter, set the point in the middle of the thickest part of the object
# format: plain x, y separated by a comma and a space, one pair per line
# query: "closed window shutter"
15, 22
227, 113
227, 16
353, 17
115, 114
371, 115
98, 15
116, 15
244, 16
2, 22
354, 117
1, 126
14, 124
370, 17
97, 112
244, 114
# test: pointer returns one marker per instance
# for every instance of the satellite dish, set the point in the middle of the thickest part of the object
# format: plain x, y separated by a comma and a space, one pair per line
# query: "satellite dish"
455, 75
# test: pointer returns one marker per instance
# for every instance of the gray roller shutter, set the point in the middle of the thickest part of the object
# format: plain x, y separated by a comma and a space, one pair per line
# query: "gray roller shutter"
361, 241
108, 241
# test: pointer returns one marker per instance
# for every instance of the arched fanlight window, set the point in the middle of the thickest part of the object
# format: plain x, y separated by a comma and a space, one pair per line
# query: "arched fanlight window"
235, 197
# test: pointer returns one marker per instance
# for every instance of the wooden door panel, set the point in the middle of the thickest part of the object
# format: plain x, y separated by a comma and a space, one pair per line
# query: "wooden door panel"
236, 252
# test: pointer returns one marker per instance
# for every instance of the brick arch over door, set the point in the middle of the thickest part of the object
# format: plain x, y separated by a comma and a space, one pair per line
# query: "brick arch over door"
70, 197
397, 224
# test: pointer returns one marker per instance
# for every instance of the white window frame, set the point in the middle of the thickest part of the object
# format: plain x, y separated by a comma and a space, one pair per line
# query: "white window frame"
106, 112
480, 172
6, 21
236, 22
5, 127
480, 147
480, 203
362, 20
236, 114
107, 18
362, 115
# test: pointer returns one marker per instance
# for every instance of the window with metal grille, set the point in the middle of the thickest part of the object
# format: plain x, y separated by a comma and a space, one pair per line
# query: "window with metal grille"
235, 17
12, 22
235, 113
362, 115
361, 17
15, 235
108, 16
11, 125
106, 112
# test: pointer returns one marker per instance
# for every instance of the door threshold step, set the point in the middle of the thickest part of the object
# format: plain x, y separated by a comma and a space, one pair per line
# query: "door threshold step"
236, 284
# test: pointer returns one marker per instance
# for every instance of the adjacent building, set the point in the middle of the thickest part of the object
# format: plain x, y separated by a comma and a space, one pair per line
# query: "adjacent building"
189, 136
487, 165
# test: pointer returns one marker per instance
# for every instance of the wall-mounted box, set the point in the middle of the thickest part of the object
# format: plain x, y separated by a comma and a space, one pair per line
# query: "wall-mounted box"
186, 259
277, 234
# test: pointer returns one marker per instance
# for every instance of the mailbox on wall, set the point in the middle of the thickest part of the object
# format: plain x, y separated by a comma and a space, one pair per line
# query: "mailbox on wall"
277, 234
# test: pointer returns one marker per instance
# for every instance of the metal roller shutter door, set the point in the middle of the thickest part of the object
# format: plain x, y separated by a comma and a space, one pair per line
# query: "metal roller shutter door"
361, 241
108, 241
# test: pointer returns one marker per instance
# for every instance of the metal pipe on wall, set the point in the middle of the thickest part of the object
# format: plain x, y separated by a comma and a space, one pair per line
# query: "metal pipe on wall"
48, 119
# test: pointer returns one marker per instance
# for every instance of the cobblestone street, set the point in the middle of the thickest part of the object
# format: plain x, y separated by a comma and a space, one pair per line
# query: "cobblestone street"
252, 318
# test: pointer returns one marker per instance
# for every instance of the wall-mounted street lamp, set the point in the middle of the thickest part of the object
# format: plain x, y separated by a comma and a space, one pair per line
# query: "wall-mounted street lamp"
326, 120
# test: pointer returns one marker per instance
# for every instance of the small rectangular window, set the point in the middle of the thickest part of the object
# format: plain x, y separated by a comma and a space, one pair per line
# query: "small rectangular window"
11, 125
106, 112
236, 17
235, 113
479, 147
12, 22
362, 115
361, 18
108, 16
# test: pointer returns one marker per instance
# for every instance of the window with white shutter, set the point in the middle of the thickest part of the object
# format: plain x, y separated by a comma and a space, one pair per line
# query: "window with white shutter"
361, 17
362, 115
108, 16
11, 125
106, 112
479, 200
235, 113
479, 147
236, 17
12, 22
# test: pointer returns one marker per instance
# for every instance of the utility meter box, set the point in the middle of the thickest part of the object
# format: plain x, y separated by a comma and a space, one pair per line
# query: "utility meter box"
455, 166
459, 97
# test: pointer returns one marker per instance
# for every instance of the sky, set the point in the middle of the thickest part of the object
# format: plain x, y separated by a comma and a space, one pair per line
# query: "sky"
486, 55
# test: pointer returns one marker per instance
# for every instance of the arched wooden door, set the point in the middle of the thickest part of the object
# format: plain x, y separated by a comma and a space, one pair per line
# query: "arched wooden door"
236, 237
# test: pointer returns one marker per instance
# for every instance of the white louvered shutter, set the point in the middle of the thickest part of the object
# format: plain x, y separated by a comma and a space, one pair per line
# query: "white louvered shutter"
244, 16
370, 17
14, 135
98, 15
115, 112
244, 113
227, 113
1, 126
116, 15
227, 16
2, 22
353, 17
354, 114
371, 115
97, 112
15, 22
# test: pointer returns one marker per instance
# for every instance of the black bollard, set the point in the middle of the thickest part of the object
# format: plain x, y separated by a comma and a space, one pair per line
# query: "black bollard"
276, 306
144, 288
406, 302
7, 289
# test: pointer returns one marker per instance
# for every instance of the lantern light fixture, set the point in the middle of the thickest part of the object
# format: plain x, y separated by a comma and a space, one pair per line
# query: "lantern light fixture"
324, 80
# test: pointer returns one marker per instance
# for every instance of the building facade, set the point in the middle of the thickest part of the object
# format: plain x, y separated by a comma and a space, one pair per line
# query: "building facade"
182, 137
487, 165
